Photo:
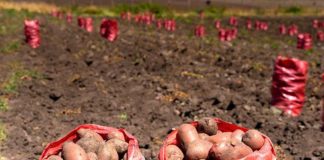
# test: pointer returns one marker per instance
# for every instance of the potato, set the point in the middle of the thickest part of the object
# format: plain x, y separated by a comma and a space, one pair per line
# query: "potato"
187, 134
220, 137
198, 149
241, 150
237, 137
173, 152
87, 133
208, 126
54, 157
92, 156
89, 144
116, 134
253, 139
203, 136
120, 146
107, 152
72, 151
221, 151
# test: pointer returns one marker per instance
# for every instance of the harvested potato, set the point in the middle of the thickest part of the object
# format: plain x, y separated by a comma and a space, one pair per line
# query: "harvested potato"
221, 151
72, 151
173, 152
253, 139
107, 152
208, 126
240, 151
120, 146
198, 149
92, 156
54, 157
220, 137
89, 144
237, 136
116, 134
187, 134
203, 136
87, 133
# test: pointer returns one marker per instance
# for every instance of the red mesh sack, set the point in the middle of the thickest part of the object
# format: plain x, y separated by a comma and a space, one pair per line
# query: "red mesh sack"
248, 24
320, 35
158, 23
304, 41
54, 148
85, 23
288, 85
292, 30
200, 31
267, 151
217, 24
315, 23
109, 29
69, 17
32, 33
233, 21
282, 29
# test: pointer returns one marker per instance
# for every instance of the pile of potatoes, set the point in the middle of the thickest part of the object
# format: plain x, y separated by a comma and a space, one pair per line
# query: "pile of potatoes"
207, 142
92, 146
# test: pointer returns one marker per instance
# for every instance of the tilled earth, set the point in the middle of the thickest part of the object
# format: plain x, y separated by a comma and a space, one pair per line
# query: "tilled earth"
150, 81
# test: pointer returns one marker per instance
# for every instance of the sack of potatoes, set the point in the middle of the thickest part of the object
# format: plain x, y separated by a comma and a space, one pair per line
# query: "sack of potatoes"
94, 142
214, 139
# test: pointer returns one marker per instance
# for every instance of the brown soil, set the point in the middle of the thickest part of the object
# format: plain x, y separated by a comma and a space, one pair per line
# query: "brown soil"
149, 81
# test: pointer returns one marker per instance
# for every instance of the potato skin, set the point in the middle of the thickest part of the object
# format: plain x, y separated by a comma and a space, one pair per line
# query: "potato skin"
208, 126
116, 134
173, 152
187, 134
198, 149
87, 133
241, 150
221, 151
92, 156
107, 152
120, 146
72, 151
253, 139
220, 137
237, 136
89, 144
203, 136
54, 157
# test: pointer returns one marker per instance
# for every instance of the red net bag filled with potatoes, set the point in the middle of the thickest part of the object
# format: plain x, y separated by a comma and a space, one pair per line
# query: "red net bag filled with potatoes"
90, 142
212, 138
288, 85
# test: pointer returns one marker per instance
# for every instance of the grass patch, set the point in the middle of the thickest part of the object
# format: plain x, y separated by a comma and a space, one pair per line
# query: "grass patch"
15, 79
295, 10
4, 104
214, 12
3, 134
10, 47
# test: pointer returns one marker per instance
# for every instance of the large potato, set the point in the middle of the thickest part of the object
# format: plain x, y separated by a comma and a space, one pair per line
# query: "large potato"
89, 144
87, 133
173, 152
92, 156
120, 146
253, 139
72, 151
208, 126
187, 134
116, 134
107, 152
198, 149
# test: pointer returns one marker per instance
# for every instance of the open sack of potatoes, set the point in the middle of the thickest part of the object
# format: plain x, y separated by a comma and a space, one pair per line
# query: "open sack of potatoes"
94, 142
214, 139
